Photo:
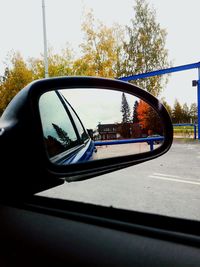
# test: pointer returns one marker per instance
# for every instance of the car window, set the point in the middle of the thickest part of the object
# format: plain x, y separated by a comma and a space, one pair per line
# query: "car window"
114, 39
58, 130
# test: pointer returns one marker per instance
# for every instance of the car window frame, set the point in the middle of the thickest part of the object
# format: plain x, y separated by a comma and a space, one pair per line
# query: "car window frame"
65, 155
66, 103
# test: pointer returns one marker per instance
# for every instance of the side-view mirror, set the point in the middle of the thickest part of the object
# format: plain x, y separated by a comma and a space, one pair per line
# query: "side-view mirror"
75, 128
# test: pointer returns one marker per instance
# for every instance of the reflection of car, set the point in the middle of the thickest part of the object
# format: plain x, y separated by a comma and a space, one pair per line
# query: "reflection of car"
155, 142
66, 139
47, 231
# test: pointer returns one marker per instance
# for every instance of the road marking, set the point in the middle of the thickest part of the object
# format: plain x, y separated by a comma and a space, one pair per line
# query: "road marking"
167, 175
190, 147
172, 178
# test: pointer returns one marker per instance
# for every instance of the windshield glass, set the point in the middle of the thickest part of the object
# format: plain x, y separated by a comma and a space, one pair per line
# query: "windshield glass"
114, 39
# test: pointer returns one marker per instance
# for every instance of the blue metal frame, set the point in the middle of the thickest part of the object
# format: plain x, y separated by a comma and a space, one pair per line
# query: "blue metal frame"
167, 71
149, 140
198, 103
161, 72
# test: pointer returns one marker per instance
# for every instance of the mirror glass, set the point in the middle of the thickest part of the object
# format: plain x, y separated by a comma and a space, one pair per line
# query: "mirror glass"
81, 125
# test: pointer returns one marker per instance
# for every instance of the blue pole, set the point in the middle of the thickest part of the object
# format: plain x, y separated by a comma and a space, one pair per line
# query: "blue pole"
195, 131
198, 102
151, 145
161, 72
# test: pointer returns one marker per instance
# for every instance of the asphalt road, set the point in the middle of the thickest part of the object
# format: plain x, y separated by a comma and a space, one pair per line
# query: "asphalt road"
169, 185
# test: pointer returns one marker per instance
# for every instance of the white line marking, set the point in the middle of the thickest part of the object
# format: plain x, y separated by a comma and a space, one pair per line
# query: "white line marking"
174, 180
166, 175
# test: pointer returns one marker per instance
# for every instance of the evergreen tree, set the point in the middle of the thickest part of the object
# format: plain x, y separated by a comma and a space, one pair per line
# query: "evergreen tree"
193, 113
135, 113
63, 136
185, 113
167, 106
177, 113
125, 109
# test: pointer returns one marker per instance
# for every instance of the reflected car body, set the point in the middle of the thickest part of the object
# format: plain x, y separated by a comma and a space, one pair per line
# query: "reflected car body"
66, 139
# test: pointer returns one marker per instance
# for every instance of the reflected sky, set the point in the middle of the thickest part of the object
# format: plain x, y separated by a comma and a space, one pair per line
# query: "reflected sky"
95, 106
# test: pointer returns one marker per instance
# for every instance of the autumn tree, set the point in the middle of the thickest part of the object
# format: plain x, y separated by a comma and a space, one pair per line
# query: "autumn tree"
58, 64
101, 49
19, 72
148, 118
142, 111
16, 76
145, 49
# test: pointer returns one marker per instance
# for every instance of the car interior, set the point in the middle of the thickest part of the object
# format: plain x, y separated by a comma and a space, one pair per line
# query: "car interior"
38, 230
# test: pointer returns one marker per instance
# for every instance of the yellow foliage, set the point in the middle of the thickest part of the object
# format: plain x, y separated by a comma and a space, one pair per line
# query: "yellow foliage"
15, 78
100, 50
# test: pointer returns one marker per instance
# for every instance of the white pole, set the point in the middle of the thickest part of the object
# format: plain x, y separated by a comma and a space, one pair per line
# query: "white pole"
45, 41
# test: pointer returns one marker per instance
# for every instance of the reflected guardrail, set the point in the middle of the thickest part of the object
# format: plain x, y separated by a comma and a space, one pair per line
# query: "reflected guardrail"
149, 140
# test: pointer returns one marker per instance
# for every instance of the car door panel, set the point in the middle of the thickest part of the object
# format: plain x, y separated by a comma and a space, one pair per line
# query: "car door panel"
39, 234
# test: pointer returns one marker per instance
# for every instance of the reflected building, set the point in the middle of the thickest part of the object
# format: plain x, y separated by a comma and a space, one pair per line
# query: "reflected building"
114, 131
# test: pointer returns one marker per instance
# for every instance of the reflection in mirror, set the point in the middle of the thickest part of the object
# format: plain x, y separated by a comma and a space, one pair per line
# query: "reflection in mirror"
89, 124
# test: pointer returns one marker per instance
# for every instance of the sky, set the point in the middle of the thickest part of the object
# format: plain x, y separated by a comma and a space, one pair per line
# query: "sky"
105, 111
21, 30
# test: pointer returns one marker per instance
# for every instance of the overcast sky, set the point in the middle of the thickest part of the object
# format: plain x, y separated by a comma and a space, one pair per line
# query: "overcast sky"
105, 111
21, 30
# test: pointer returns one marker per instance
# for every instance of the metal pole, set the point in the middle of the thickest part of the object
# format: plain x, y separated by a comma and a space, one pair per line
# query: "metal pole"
198, 102
151, 145
45, 41
195, 131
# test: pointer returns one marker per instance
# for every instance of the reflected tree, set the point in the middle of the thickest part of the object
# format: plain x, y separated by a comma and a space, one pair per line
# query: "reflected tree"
125, 110
126, 118
135, 112
149, 119
63, 136
54, 147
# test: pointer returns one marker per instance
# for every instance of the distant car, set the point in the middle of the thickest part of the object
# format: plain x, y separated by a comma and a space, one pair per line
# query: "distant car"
156, 142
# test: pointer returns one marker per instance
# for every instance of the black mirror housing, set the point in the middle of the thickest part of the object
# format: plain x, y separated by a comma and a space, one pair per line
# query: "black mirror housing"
22, 145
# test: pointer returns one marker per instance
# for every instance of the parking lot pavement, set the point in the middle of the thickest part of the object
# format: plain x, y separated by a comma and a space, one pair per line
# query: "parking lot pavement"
168, 185
120, 150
